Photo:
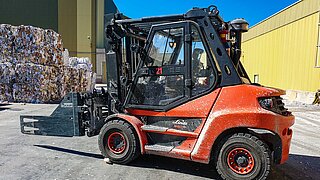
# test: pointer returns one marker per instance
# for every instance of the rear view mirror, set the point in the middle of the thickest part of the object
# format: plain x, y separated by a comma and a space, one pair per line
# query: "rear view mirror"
135, 48
138, 50
172, 45
142, 52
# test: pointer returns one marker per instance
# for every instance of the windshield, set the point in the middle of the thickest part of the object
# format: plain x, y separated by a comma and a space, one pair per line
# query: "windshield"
167, 48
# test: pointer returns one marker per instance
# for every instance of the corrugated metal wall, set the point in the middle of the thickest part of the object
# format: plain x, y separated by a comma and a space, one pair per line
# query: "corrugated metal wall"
282, 50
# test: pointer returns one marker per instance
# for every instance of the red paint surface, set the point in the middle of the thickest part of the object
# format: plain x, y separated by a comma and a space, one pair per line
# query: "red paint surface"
237, 106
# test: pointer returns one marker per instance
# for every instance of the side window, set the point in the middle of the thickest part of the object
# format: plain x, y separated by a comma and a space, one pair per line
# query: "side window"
202, 70
167, 48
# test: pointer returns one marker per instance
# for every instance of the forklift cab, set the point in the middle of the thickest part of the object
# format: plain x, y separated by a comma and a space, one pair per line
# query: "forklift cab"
183, 57
176, 68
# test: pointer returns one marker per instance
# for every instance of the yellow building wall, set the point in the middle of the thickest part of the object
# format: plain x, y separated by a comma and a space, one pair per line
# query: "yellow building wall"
288, 15
86, 39
77, 26
100, 24
67, 24
285, 55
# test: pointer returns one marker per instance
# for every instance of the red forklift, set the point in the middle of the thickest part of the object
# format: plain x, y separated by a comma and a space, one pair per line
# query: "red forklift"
177, 88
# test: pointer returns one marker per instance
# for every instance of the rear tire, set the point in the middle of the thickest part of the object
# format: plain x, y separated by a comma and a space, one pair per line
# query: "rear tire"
118, 142
243, 156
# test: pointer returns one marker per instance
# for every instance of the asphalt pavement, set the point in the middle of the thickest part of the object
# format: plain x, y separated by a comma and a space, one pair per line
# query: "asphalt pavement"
40, 157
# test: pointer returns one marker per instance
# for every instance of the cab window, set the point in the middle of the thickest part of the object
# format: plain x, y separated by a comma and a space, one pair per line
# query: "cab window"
201, 68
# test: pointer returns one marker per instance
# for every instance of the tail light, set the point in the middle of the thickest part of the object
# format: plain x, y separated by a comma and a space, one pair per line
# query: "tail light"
274, 104
224, 35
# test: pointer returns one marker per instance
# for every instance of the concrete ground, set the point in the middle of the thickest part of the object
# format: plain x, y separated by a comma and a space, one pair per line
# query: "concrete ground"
40, 157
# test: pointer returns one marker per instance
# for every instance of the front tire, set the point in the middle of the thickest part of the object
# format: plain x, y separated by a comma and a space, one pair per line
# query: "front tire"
243, 156
118, 142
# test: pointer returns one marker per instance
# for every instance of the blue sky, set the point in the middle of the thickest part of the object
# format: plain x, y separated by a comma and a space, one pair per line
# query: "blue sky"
253, 11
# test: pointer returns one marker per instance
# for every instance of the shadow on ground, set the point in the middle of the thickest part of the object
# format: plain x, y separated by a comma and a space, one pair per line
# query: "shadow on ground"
298, 167
176, 165
153, 162
70, 151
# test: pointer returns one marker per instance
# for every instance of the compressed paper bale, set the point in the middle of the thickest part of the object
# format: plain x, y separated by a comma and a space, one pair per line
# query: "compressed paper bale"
82, 62
53, 48
85, 77
7, 73
28, 44
71, 80
65, 58
84, 66
53, 92
36, 45
44, 82
5, 58
24, 73
52, 82
56, 74
5, 93
85, 80
34, 73
37, 53
41, 74
24, 93
6, 43
30, 93
20, 48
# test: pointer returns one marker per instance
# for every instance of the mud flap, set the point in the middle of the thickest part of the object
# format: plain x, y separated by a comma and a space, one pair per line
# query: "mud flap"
64, 121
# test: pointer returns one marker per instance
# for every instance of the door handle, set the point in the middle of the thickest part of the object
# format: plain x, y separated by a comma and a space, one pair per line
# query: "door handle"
188, 83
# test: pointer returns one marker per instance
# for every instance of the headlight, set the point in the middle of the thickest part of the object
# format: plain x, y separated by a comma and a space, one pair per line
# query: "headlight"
274, 104
240, 25
266, 103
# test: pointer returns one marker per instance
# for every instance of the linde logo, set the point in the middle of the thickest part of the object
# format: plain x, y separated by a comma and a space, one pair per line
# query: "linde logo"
180, 122
67, 105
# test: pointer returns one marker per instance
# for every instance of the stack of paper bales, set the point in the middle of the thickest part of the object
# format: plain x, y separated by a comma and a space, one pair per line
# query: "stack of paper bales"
34, 67
78, 73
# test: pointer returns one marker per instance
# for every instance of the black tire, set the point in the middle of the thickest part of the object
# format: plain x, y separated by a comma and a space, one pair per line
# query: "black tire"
234, 158
127, 134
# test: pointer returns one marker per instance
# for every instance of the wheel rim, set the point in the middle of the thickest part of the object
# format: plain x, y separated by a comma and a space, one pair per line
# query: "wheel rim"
240, 161
116, 143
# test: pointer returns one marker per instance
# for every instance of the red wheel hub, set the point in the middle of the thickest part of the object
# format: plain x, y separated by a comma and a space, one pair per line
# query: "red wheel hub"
240, 161
116, 143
